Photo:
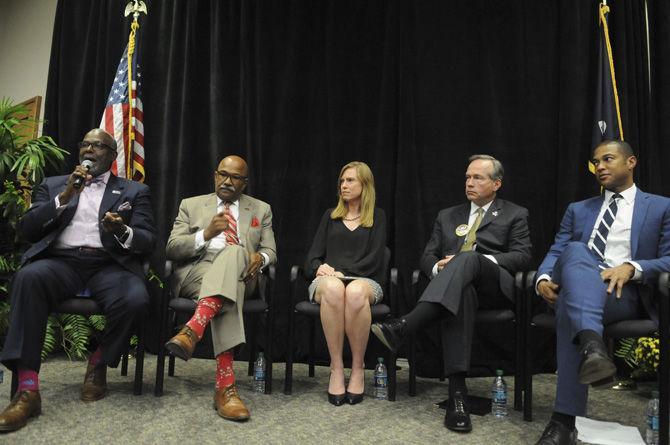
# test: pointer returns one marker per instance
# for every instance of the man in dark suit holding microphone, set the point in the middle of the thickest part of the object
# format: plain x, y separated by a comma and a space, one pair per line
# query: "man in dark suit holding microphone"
89, 231
472, 255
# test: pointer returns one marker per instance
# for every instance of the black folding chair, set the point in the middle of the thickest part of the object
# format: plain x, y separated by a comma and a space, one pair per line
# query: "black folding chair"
304, 308
621, 329
82, 304
483, 316
262, 303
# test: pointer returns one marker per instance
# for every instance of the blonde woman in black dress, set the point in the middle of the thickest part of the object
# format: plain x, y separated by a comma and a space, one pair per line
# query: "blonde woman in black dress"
346, 262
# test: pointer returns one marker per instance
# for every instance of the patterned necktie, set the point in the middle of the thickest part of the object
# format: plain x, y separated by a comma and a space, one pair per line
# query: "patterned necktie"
600, 240
231, 232
470, 239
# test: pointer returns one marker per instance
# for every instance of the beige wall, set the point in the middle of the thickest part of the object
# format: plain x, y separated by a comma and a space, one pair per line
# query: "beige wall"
26, 28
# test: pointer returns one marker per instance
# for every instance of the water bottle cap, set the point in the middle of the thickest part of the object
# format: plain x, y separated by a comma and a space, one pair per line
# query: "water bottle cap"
654, 394
499, 372
380, 359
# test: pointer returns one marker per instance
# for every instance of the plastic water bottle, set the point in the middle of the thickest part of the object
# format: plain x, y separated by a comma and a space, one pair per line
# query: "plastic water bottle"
499, 395
652, 420
381, 380
259, 374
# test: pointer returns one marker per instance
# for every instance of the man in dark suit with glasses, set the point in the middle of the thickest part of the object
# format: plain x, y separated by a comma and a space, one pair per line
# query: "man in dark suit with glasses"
89, 230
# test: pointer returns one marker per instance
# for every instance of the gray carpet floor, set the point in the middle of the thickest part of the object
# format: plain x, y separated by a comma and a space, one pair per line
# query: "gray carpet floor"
185, 414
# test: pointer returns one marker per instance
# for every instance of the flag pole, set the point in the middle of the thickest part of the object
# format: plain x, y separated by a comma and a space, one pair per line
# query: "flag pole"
134, 7
604, 9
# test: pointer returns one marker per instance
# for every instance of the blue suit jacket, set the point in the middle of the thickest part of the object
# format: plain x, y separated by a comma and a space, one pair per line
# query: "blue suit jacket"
42, 224
650, 236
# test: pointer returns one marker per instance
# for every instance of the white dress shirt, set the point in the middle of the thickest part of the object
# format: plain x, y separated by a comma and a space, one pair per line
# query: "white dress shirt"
219, 241
617, 246
84, 228
471, 220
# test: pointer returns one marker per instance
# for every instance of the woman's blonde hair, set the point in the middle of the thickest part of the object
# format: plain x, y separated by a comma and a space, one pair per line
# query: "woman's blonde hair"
367, 195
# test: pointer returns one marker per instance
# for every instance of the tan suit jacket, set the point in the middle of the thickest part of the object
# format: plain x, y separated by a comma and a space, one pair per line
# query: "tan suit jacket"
196, 213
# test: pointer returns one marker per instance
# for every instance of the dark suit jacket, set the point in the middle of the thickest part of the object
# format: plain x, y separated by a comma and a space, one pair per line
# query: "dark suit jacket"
503, 233
649, 237
42, 224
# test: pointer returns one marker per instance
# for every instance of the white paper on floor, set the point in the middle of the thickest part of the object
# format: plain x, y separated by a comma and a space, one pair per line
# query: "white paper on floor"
607, 433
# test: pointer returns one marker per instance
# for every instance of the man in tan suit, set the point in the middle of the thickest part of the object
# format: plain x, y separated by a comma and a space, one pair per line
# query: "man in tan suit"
219, 242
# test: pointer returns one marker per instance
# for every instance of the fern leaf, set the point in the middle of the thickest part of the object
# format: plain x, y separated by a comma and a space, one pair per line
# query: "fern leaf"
51, 337
97, 322
76, 332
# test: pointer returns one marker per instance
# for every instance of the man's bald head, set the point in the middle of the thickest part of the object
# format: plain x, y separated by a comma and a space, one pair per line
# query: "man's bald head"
230, 178
98, 147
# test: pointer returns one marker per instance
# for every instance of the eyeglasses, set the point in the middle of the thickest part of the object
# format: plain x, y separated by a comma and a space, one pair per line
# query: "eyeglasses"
97, 145
225, 175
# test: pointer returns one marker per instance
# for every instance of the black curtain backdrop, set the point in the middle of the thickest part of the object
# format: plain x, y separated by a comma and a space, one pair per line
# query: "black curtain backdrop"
299, 88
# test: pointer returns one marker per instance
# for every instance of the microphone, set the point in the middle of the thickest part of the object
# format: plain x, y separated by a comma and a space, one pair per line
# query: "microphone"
79, 180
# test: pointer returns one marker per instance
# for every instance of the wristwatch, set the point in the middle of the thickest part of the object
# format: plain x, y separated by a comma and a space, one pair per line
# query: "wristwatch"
124, 237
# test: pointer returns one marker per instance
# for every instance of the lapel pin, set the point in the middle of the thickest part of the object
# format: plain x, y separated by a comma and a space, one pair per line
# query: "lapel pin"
494, 213
462, 230
116, 192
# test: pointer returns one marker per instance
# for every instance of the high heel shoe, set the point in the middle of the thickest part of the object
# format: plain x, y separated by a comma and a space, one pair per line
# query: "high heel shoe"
353, 399
337, 399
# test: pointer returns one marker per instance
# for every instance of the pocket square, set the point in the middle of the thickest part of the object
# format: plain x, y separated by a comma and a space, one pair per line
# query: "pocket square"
254, 222
124, 207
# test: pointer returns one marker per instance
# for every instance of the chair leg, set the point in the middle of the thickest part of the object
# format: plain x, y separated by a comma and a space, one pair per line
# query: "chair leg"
124, 364
139, 367
288, 374
252, 344
520, 342
528, 384
312, 331
269, 320
171, 366
15, 384
411, 361
391, 372
160, 372
664, 370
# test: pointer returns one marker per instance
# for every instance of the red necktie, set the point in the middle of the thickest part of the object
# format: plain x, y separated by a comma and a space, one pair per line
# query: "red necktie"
231, 231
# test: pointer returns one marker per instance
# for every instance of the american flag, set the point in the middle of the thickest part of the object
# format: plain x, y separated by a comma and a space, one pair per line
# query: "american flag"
117, 121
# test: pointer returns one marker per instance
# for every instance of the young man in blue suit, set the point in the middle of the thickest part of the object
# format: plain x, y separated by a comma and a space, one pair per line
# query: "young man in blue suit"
602, 267
89, 231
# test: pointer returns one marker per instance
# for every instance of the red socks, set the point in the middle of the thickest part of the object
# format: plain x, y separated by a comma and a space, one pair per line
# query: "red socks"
96, 357
206, 310
225, 376
28, 380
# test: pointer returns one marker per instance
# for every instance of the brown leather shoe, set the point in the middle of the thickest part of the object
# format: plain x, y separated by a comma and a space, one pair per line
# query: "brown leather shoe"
182, 344
24, 405
95, 383
229, 405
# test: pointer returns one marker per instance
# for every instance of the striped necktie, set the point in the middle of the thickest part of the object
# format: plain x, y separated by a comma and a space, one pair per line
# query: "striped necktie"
231, 232
470, 239
600, 240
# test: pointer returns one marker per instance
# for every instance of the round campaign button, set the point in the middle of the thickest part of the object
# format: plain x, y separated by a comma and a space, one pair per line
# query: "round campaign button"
462, 230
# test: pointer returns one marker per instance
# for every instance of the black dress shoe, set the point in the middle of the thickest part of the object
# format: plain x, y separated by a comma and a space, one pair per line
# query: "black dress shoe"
596, 366
390, 332
337, 399
458, 417
557, 434
353, 399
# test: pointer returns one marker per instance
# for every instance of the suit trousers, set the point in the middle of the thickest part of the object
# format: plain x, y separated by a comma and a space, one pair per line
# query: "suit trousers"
583, 303
468, 282
220, 274
41, 285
